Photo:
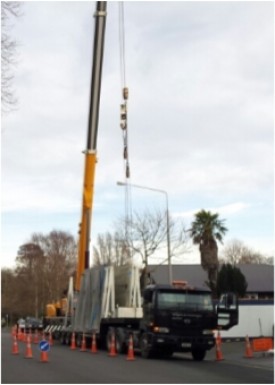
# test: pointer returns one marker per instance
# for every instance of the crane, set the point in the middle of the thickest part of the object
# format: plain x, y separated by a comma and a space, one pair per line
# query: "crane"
91, 147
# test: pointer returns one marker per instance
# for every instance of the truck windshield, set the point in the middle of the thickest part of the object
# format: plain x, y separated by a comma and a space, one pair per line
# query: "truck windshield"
183, 301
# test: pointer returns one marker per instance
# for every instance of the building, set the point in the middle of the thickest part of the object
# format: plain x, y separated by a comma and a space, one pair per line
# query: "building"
260, 278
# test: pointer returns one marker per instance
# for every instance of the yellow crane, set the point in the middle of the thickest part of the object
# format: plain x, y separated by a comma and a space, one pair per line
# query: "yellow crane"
90, 151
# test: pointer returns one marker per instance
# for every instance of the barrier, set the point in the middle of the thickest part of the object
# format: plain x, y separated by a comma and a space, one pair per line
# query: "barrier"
262, 344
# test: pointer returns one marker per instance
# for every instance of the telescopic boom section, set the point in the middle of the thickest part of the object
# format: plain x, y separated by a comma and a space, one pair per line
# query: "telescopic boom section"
90, 153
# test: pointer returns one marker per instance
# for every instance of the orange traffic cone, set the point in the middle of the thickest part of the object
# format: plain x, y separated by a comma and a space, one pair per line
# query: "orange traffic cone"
15, 346
13, 331
93, 347
44, 357
219, 356
83, 344
24, 336
28, 348
219, 338
130, 355
73, 346
50, 339
19, 335
248, 349
36, 338
112, 352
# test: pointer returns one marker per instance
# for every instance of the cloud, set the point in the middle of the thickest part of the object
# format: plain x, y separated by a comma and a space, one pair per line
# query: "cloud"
200, 111
228, 210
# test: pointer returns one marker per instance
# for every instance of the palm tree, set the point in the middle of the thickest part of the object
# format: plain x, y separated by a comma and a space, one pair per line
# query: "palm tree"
206, 230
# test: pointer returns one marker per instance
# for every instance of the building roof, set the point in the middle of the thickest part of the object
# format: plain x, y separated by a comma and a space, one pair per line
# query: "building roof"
260, 278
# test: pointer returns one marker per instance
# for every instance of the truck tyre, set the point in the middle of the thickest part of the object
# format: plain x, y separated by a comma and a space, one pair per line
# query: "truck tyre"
62, 338
68, 339
109, 338
121, 347
145, 350
78, 340
198, 354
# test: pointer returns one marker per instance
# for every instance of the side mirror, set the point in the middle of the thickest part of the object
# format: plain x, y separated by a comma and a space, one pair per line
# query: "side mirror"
228, 311
228, 301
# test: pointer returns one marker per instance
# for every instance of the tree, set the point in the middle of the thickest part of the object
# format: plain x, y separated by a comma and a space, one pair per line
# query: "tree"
8, 289
111, 250
205, 231
236, 252
9, 9
231, 279
59, 248
30, 272
149, 235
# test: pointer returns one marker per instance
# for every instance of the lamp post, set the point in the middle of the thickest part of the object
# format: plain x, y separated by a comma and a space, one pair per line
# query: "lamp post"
167, 222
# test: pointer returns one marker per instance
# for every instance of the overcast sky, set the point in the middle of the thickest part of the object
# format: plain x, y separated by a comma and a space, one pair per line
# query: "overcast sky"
200, 77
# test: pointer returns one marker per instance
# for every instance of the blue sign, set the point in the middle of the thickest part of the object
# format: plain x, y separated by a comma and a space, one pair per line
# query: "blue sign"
44, 346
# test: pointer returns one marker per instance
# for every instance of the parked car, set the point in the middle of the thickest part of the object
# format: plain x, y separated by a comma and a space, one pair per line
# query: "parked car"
33, 324
21, 324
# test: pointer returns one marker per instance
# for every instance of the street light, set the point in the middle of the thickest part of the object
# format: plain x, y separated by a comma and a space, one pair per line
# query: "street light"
167, 221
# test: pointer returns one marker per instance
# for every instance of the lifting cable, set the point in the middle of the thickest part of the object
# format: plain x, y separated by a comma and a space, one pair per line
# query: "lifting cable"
124, 122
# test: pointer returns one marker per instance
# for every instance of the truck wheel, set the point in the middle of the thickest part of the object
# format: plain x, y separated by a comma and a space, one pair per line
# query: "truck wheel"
198, 354
109, 338
62, 338
145, 350
120, 341
78, 340
68, 339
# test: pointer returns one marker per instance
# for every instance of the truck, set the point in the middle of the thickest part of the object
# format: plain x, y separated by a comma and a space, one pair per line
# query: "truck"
108, 301
161, 319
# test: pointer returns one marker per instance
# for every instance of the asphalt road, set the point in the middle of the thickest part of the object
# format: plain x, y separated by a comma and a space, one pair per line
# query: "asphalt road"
74, 367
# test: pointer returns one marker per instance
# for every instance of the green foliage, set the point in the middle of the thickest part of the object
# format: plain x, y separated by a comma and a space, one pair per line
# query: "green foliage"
207, 226
231, 279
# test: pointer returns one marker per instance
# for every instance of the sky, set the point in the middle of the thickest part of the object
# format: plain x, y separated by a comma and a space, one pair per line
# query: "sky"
200, 118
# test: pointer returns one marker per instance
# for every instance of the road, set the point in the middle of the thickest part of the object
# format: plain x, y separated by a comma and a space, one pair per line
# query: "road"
74, 367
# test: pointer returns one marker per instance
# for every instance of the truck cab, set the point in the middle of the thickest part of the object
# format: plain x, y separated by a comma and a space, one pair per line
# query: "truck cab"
181, 318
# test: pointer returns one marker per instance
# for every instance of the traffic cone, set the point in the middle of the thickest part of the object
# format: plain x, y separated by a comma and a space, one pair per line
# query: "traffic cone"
248, 349
83, 344
219, 356
44, 357
112, 352
93, 347
13, 331
19, 335
28, 348
73, 346
24, 336
219, 338
130, 355
36, 337
50, 339
15, 346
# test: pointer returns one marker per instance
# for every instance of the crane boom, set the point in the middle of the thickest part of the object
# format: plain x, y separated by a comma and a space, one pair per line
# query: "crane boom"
90, 152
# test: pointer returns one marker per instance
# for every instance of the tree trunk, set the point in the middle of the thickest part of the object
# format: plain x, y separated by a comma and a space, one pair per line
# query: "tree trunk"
209, 262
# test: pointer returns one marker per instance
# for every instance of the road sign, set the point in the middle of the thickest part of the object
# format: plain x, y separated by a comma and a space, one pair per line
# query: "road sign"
44, 346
